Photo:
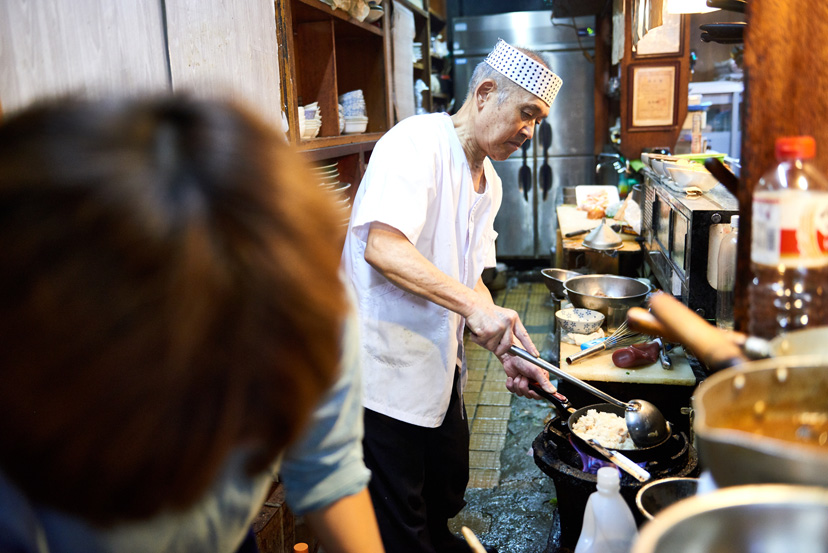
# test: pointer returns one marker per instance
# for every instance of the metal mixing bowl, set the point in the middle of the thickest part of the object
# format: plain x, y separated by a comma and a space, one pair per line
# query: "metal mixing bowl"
611, 295
765, 518
555, 278
657, 495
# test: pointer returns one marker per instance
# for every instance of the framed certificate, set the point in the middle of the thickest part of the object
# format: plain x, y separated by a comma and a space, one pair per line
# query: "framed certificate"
653, 100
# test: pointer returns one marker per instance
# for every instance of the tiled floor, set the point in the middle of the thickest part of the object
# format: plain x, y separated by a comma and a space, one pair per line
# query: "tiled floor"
488, 403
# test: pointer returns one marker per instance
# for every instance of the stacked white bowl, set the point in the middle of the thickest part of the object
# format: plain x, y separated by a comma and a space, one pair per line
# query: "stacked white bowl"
375, 11
353, 107
310, 120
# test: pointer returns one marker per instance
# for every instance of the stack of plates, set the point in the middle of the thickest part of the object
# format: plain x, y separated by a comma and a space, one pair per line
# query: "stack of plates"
328, 178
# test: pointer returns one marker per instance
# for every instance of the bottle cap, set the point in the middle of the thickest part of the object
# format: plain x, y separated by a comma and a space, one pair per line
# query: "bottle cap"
300, 547
795, 147
608, 479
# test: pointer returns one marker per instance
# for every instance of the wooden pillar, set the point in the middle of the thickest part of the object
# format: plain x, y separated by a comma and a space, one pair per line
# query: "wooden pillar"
635, 137
786, 93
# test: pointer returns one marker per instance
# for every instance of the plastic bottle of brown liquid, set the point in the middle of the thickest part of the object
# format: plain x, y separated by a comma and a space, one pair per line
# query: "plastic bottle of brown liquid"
789, 243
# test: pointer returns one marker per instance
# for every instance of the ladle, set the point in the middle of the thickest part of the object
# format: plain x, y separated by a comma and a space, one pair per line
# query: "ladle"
645, 423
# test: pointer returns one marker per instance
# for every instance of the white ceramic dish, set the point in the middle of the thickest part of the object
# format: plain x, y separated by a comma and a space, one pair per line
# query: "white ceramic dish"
686, 177
354, 127
577, 320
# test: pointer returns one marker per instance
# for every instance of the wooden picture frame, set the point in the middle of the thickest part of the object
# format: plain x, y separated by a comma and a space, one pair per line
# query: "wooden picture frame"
653, 98
666, 40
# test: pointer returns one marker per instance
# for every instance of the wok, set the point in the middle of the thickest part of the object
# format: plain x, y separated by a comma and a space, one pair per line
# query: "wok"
654, 452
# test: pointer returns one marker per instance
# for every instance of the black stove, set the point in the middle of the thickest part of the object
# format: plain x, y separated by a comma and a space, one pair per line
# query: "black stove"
558, 458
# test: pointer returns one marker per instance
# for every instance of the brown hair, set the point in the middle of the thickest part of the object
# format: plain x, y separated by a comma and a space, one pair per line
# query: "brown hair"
169, 292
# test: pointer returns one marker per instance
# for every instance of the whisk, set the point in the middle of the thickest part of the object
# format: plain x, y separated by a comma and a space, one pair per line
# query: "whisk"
622, 336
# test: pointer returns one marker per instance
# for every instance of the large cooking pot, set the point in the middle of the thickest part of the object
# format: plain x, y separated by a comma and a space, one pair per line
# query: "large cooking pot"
765, 518
611, 295
765, 422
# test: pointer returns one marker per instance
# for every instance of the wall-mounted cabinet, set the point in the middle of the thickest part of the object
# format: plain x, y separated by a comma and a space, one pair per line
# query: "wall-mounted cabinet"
323, 53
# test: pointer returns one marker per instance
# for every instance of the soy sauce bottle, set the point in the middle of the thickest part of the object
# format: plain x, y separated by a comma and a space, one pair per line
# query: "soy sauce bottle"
789, 243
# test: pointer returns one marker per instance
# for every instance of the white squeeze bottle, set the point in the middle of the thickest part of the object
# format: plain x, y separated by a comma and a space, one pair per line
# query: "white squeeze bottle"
609, 526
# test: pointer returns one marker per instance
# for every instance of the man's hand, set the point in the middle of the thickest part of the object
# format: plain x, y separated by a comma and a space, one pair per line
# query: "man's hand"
521, 373
495, 328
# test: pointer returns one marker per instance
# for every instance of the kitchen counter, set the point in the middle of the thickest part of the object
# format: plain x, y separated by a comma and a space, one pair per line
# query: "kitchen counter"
600, 368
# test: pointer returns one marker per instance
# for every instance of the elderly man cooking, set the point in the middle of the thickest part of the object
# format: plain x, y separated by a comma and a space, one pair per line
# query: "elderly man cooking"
421, 234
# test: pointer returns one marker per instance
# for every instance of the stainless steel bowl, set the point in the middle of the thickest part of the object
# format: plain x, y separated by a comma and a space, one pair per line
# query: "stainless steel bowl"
765, 422
656, 496
611, 295
765, 518
555, 278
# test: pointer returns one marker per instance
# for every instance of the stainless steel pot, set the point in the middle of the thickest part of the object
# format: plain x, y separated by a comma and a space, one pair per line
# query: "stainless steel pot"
765, 422
656, 496
611, 295
744, 519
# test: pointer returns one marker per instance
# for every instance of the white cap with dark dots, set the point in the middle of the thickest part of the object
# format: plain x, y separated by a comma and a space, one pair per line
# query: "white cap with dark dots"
524, 71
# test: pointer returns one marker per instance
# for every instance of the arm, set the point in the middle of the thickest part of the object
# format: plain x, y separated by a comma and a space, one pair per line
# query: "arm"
493, 327
324, 473
519, 372
347, 526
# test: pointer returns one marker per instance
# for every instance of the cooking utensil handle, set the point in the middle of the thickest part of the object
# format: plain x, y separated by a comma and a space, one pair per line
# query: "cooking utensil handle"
621, 461
722, 174
597, 348
707, 342
558, 399
549, 367
645, 322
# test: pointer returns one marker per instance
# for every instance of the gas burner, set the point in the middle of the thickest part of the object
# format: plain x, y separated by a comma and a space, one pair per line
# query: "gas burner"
556, 456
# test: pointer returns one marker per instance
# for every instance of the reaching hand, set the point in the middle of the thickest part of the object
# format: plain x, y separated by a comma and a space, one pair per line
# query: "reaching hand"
521, 373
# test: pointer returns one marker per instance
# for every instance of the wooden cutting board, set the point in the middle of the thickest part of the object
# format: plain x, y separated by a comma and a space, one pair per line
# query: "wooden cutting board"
601, 368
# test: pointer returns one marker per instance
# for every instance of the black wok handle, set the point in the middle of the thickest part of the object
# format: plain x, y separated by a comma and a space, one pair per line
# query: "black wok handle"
728, 5
558, 399
549, 367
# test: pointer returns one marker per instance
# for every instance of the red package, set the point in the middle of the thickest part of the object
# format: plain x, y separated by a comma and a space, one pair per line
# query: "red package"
636, 355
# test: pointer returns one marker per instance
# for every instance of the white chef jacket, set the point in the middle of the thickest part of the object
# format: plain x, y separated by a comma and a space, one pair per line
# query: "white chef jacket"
419, 182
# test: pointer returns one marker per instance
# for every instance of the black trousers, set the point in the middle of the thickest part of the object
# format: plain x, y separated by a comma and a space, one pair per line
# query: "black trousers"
419, 478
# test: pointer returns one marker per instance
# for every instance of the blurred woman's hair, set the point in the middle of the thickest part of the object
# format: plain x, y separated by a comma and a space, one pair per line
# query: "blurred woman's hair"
169, 292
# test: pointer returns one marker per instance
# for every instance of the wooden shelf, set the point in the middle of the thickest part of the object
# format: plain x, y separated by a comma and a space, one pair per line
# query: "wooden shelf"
320, 10
324, 53
333, 147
